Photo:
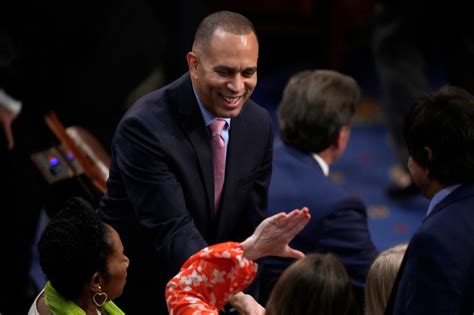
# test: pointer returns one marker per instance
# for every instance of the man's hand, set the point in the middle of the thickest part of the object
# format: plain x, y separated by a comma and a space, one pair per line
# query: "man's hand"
272, 236
246, 304
6, 120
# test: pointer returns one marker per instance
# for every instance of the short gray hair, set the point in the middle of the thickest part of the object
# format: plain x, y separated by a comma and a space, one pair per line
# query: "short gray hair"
315, 106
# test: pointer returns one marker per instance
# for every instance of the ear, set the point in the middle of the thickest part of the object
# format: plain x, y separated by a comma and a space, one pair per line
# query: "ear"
429, 153
193, 64
343, 138
339, 146
95, 282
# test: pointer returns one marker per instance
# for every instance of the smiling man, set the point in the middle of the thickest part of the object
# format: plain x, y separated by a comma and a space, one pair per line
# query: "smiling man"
172, 190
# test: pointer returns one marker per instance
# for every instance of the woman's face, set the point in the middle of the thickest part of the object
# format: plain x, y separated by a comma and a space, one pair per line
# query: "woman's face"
117, 264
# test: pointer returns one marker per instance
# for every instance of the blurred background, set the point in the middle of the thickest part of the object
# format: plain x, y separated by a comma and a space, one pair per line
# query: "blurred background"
90, 61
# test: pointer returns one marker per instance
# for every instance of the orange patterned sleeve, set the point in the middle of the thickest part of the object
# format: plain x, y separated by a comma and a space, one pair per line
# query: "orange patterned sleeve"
208, 279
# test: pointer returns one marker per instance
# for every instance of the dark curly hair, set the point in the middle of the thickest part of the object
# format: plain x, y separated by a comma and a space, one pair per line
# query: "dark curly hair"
74, 246
444, 123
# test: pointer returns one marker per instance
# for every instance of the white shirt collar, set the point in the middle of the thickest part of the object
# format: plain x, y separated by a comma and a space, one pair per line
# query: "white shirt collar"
209, 117
324, 166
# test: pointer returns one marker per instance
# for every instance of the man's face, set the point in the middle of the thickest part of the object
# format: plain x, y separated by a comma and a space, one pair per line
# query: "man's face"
225, 73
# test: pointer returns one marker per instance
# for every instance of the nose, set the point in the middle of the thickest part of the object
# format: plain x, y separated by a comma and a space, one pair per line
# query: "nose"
236, 84
127, 261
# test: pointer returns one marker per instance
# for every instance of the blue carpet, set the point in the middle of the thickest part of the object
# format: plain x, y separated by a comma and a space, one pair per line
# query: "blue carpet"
364, 170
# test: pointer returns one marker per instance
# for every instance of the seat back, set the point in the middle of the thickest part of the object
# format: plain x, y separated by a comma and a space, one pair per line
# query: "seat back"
77, 164
86, 150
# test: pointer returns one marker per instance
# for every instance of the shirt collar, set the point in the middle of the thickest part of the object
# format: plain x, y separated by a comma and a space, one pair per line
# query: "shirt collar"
206, 115
439, 196
324, 166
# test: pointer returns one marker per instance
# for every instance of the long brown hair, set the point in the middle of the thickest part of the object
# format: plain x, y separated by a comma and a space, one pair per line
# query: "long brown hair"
316, 284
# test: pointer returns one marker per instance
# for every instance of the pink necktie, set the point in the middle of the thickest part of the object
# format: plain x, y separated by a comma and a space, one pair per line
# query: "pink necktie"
218, 156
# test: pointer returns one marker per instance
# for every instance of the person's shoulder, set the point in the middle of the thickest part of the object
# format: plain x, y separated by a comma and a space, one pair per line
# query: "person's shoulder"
442, 228
334, 198
303, 168
162, 96
39, 307
158, 103
452, 211
254, 122
291, 162
253, 110
318, 191
337, 198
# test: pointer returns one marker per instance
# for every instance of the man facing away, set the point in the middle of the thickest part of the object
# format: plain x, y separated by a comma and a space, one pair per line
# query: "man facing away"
437, 273
315, 116
171, 192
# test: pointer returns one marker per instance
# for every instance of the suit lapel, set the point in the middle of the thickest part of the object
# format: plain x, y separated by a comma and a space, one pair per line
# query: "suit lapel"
193, 125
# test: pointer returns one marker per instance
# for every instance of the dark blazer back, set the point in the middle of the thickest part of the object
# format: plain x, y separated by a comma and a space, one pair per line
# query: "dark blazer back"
338, 219
437, 273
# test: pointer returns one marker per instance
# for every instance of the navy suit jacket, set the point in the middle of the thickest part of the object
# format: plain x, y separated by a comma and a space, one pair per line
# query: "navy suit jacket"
338, 219
160, 193
437, 273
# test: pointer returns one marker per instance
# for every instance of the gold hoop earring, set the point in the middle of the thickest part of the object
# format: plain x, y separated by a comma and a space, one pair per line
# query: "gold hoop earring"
99, 298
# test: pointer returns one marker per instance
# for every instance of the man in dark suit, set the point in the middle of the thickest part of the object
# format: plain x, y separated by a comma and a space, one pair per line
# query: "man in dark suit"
314, 116
437, 273
161, 194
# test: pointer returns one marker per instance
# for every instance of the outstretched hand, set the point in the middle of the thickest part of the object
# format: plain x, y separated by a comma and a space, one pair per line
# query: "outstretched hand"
272, 236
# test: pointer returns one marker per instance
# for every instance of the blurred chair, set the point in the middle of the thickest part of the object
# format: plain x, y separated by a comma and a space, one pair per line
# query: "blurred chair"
76, 157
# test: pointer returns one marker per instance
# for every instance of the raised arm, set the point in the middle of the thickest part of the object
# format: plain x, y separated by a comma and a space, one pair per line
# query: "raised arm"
210, 278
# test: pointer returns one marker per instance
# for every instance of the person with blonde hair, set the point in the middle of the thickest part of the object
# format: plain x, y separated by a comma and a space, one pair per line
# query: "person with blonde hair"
381, 277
